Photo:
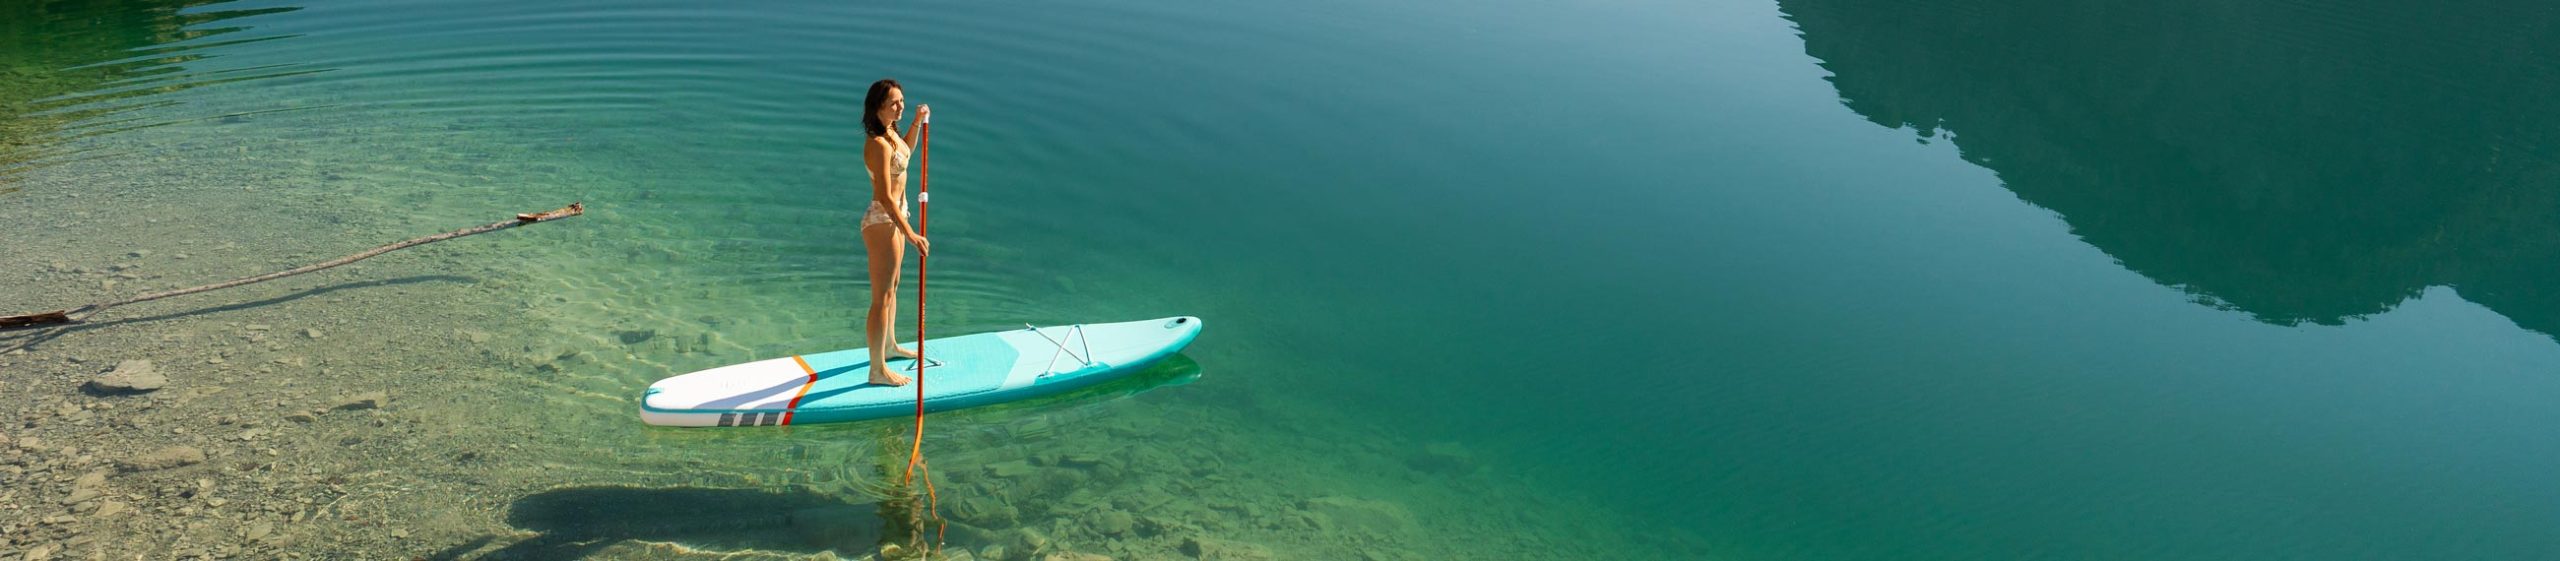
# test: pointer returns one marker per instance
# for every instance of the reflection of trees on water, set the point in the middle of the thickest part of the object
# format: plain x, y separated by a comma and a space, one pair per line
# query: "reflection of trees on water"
2301, 162
58, 54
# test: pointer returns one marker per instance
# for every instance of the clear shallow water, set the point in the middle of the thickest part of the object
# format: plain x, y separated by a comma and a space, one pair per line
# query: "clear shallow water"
1794, 281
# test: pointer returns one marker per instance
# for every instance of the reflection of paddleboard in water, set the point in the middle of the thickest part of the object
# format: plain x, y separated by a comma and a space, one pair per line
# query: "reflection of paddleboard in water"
1041, 416
966, 371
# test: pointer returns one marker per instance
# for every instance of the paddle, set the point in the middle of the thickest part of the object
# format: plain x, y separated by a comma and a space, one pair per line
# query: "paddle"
924, 208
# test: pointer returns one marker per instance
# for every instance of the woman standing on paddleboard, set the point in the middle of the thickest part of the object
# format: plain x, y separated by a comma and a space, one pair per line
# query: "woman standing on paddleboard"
885, 229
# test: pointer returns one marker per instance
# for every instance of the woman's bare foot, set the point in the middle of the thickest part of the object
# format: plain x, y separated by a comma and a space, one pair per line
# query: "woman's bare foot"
883, 377
895, 351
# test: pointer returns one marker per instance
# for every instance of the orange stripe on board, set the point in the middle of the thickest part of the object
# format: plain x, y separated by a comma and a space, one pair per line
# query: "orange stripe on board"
804, 388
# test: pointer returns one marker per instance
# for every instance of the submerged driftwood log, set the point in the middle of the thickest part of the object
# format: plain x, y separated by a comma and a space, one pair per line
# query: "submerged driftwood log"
83, 313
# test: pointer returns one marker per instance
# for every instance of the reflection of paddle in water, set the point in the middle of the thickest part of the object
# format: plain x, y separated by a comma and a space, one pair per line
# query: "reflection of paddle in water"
1030, 418
580, 521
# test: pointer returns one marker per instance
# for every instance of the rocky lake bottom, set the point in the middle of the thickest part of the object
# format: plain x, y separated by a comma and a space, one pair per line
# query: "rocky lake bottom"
450, 401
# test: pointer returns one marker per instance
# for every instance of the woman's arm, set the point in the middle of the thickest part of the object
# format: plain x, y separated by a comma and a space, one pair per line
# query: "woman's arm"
924, 113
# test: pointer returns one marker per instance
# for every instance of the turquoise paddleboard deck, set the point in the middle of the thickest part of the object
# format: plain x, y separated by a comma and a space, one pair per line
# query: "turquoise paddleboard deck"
964, 371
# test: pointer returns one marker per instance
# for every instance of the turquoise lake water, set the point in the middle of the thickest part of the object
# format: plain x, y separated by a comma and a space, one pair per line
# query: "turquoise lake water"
1723, 280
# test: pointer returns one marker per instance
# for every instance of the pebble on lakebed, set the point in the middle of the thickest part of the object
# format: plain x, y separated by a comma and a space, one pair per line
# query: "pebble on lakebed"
132, 376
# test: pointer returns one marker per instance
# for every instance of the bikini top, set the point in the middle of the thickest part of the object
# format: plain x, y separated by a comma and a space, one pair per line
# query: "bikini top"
897, 160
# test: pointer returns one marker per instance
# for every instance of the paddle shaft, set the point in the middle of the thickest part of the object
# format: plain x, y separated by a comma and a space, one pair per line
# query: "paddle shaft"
924, 212
924, 206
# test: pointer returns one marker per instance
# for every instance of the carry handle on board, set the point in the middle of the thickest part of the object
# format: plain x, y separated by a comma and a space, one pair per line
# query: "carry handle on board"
1074, 333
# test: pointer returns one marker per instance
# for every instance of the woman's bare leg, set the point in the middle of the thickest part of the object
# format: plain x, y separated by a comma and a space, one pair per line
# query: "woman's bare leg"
885, 249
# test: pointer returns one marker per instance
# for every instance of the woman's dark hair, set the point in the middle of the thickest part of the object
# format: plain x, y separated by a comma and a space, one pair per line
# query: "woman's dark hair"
871, 107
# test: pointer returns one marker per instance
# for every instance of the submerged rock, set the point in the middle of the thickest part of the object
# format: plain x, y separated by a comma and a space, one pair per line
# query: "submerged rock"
1213, 549
1029, 541
89, 486
1113, 523
1009, 469
637, 336
132, 376
1365, 515
366, 400
986, 511
1443, 457
164, 458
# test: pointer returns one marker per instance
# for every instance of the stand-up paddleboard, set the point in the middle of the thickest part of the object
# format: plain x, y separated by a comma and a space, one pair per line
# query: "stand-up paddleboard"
965, 371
